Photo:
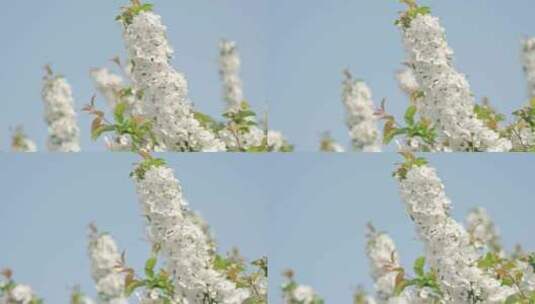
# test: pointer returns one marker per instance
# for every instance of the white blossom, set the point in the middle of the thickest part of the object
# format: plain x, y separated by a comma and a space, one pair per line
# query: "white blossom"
528, 63
165, 91
229, 71
448, 101
235, 140
483, 234
109, 85
112, 87
413, 295
21, 143
367, 300
22, 294
336, 147
523, 137
361, 119
105, 268
304, 294
276, 141
447, 244
60, 115
87, 300
407, 82
183, 242
328, 144
384, 263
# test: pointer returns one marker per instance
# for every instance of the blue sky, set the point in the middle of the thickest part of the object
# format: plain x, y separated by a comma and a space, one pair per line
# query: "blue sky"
49, 200
293, 53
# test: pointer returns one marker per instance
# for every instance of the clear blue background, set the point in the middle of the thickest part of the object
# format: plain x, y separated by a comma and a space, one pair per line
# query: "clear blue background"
319, 212
49, 200
293, 53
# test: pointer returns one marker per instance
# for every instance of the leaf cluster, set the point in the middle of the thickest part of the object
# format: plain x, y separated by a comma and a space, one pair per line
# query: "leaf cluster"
421, 129
413, 11
235, 270
527, 114
507, 272
490, 117
128, 13
411, 161
154, 280
146, 165
421, 279
139, 129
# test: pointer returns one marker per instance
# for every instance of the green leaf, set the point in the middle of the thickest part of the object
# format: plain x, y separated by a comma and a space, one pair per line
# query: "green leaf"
409, 115
220, 263
419, 266
132, 286
490, 260
118, 113
98, 131
146, 165
208, 122
149, 266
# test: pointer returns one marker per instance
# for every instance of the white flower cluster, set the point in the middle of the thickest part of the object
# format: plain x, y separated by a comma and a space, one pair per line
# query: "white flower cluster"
183, 242
361, 119
447, 244
448, 101
112, 87
105, 268
21, 143
301, 294
384, 264
407, 82
483, 234
165, 92
366, 299
109, 85
229, 70
60, 115
304, 294
328, 144
528, 62
19, 294
87, 300
235, 139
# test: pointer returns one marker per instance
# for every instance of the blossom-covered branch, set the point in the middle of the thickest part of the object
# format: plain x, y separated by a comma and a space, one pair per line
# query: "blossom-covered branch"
165, 90
447, 244
483, 234
229, 71
60, 114
384, 263
447, 98
294, 293
183, 243
360, 115
105, 268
